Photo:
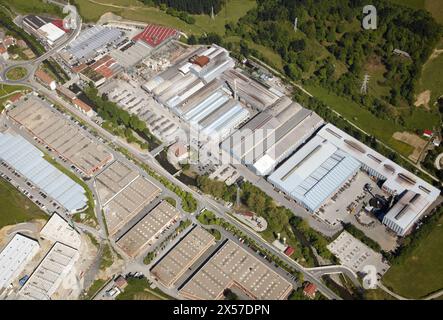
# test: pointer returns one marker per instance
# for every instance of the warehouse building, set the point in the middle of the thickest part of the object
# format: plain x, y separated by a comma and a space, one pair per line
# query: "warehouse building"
99, 71
408, 209
155, 35
123, 193
249, 91
272, 135
57, 229
46, 29
29, 162
49, 274
130, 54
416, 195
92, 42
215, 116
146, 231
233, 267
314, 173
60, 135
178, 260
15, 256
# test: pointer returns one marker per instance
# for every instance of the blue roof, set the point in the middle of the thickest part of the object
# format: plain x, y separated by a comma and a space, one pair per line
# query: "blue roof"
314, 173
29, 162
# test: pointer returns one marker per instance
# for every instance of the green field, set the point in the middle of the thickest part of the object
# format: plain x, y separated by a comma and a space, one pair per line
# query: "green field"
432, 76
34, 7
422, 271
139, 289
6, 91
91, 10
16, 73
382, 129
15, 207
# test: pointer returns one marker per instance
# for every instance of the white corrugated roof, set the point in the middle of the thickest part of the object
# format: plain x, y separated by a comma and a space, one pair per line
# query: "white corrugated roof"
14, 257
28, 160
51, 32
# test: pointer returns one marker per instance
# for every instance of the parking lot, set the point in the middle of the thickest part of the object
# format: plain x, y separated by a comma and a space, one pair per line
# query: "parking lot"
33, 193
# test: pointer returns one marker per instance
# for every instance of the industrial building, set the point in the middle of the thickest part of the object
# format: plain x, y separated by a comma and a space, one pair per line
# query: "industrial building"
130, 54
408, 209
155, 35
233, 267
180, 258
123, 193
46, 29
129, 96
416, 195
57, 229
15, 256
252, 93
314, 173
147, 230
93, 41
60, 135
272, 135
192, 90
99, 71
49, 274
29, 162
356, 255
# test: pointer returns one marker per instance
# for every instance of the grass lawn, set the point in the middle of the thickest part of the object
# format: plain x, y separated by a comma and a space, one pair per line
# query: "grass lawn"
274, 58
422, 271
107, 259
15, 207
378, 294
96, 285
34, 7
135, 10
139, 289
16, 73
432, 76
6, 91
382, 129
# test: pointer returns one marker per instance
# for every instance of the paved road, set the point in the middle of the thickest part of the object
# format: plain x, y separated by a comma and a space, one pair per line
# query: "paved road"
32, 65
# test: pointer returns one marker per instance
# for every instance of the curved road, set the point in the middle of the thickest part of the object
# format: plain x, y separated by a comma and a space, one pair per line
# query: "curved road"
32, 65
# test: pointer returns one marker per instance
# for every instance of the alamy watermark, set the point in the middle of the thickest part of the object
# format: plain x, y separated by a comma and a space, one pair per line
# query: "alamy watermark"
370, 19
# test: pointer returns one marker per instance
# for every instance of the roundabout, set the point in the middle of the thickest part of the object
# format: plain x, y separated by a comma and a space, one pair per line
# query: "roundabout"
16, 73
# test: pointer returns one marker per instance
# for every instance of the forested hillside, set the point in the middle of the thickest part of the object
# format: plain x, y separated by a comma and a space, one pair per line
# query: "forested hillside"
191, 6
330, 48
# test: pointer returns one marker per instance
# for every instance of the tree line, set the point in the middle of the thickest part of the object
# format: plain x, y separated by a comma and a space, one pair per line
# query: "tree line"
190, 6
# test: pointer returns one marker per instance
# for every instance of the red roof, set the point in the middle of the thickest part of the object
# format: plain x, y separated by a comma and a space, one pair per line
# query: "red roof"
155, 35
80, 104
59, 24
428, 132
2, 49
310, 289
15, 97
44, 77
103, 65
289, 251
